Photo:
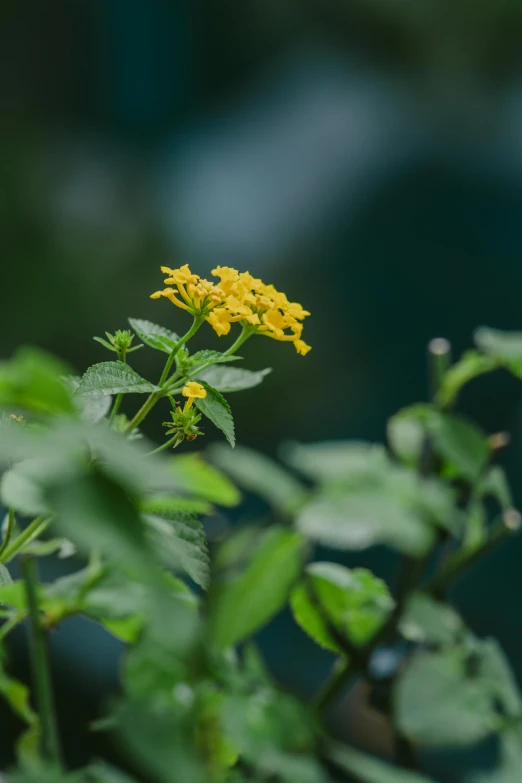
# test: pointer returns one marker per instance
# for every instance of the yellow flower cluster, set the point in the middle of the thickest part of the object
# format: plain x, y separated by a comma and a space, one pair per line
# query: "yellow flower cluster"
238, 297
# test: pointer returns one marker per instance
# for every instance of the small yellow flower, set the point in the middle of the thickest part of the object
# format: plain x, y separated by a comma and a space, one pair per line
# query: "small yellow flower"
193, 391
301, 347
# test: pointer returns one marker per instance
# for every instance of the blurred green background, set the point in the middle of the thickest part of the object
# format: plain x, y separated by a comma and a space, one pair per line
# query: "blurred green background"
365, 156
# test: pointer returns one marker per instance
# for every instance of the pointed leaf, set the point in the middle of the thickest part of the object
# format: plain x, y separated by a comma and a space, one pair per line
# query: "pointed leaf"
243, 604
354, 601
216, 408
113, 378
155, 336
231, 379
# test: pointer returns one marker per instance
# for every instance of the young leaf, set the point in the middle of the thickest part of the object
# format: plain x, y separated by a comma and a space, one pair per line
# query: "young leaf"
471, 365
216, 408
355, 602
242, 605
17, 696
230, 379
112, 378
155, 336
261, 475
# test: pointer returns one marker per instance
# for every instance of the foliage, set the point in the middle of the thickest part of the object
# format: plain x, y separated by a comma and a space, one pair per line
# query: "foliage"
196, 702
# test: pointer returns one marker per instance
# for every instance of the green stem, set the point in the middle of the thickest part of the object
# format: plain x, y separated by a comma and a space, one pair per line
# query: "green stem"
50, 743
151, 401
198, 320
166, 445
32, 531
246, 332
8, 532
504, 527
340, 676
439, 352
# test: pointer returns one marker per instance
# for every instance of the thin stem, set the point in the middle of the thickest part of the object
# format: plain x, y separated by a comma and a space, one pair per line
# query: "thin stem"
166, 445
339, 678
151, 401
439, 352
246, 332
504, 527
198, 320
50, 743
32, 531
9, 531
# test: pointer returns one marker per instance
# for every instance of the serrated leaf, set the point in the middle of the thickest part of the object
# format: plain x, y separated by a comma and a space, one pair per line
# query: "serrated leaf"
181, 544
155, 336
355, 602
112, 378
368, 769
216, 357
243, 604
91, 409
230, 379
216, 408
438, 701
471, 365
257, 473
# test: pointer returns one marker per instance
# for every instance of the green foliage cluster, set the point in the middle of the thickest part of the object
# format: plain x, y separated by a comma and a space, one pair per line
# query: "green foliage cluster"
197, 703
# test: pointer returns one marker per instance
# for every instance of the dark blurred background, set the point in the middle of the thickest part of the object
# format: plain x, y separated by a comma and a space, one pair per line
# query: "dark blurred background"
363, 155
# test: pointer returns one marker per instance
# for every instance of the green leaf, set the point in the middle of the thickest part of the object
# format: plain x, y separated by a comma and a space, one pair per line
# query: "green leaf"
91, 409
335, 461
495, 484
230, 379
96, 513
471, 365
20, 492
197, 477
427, 621
155, 336
407, 432
438, 700
102, 773
367, 769
32, 381
216, 357
216, 408
243, 604
261, 475
461, 444
355, 602
170, 506
112, 378
17, 696
358, 520
495, 669
504, 346
181, 544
